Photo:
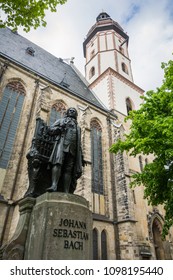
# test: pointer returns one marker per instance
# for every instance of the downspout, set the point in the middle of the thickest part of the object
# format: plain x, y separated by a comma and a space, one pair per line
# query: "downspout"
114, 199
18, 165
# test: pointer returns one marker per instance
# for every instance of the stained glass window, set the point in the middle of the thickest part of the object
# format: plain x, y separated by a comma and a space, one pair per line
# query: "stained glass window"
96, 157
57, 111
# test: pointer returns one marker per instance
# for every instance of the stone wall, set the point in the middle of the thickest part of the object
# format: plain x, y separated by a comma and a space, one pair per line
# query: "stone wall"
124, 209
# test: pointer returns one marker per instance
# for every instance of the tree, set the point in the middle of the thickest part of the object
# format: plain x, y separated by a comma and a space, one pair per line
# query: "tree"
26, 13
151, 132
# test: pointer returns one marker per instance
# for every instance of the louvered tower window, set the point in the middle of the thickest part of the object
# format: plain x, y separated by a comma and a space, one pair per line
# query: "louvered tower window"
124, 68
57, 111
128, 105
92, 72
10, 110
96, 157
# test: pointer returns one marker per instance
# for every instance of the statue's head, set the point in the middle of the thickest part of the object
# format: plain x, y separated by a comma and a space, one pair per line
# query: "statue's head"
72, 112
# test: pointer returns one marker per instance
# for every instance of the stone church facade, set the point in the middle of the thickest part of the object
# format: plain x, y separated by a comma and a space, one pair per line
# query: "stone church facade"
35, 84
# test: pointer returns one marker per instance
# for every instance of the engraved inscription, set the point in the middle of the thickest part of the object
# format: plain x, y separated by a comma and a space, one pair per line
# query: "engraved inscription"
73, 232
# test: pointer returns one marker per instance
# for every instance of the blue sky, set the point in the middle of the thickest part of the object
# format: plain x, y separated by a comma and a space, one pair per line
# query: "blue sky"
134, 9
149, 24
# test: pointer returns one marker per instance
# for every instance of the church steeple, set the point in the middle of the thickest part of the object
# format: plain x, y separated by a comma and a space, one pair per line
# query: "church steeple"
106, 46
106, 53
103, 23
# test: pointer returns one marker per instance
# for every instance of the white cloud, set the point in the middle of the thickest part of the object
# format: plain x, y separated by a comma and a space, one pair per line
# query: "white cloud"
149, 24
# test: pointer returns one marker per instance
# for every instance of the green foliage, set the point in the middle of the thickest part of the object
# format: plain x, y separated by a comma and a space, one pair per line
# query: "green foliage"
151, 132
26, 13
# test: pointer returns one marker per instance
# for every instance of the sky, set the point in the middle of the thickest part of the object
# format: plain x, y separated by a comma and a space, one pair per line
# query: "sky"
148, 23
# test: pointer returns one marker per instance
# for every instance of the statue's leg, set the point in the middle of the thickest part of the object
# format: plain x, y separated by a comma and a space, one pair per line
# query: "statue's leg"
67, 181
56, 173
68, 172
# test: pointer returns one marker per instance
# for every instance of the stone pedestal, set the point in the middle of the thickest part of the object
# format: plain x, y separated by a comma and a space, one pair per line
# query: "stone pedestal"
15, 248
60, 228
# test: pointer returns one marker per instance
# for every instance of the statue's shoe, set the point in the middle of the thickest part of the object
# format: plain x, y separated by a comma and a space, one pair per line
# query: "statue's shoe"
51, 189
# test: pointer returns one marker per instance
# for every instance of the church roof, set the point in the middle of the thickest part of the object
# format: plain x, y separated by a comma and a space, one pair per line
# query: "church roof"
30, 56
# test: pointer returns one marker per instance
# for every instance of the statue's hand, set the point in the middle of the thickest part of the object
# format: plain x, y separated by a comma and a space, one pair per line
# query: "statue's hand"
54, 131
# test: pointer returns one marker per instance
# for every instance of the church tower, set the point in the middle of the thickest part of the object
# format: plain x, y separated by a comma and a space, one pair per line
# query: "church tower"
108, 66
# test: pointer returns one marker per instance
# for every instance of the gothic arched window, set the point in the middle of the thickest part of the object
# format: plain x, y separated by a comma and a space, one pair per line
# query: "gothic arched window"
95, 244
104, 245
92, 72
96, 157
124, 68
157, 239
10, 110
128, 105
57, 111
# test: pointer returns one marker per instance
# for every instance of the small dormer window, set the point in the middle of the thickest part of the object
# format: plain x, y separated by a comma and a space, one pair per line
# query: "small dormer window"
30, 51
64, 84
64, 81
